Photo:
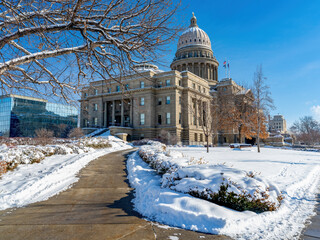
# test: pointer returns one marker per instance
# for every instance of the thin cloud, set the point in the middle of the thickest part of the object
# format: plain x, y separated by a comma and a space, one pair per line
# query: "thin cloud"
316, 112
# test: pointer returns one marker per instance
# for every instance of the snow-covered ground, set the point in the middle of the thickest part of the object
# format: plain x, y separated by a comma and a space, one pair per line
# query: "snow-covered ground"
295, 174
30, 183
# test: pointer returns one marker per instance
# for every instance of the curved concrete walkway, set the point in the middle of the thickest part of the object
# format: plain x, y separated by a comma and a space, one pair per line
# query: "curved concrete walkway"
98, 207
312, 231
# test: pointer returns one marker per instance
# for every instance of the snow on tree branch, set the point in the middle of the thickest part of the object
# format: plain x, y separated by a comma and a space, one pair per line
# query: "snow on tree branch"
58, 44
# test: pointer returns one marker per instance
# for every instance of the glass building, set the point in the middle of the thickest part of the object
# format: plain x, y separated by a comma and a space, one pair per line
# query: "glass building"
20, 116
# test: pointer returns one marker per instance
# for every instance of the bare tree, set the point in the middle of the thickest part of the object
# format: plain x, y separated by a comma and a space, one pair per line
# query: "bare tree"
44, 136
307, 130
205, 111
262, 102
234, 111
76, 133
54, 47
167, 138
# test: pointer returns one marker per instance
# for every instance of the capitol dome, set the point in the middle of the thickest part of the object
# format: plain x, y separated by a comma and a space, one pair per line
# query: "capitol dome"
194, 36
194, 54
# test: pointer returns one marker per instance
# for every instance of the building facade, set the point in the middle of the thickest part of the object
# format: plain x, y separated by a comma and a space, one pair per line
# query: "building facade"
278, 124
149, 100
20, 116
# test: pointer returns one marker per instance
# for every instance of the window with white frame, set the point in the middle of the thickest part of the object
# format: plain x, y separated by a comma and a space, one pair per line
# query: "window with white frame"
168, 100
142, 84
168, 120
142, 118
95, 107
168, 82
96, 92
142, 101
95, 121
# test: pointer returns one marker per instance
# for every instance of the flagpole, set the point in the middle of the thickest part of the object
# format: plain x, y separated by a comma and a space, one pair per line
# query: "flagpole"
229, 68
226, 68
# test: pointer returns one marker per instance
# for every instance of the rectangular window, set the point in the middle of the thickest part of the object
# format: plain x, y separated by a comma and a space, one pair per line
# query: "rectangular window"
180, 83
180, 118
168, 100
142, 101
168, 118
95, 107
85, 94
196, 137
179, 100
159, 101
199, 88
95, 121
194, 85
96, 92
85, 122
118, 89
201, 137
168, 82
141, 84
142, 118
159, 119
160, 84
109, 90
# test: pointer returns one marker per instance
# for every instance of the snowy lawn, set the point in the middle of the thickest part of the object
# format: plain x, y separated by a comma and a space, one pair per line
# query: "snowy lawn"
35, 182
293, 174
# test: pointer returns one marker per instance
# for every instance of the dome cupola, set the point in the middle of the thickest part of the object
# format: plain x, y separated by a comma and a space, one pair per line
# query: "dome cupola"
194, 53
194, 36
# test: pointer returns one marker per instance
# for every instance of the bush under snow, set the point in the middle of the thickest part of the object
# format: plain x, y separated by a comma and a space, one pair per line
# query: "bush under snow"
13, 155
218, 183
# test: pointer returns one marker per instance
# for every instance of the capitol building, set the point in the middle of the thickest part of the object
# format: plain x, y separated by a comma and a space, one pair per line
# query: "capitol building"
150, 100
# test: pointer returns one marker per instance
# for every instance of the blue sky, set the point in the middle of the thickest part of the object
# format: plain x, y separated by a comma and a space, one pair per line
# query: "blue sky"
283, 36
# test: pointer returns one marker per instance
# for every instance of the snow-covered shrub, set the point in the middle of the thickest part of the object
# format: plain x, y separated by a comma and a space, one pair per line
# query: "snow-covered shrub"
13, 154
244, 201
220, 184
155, 155
95, 142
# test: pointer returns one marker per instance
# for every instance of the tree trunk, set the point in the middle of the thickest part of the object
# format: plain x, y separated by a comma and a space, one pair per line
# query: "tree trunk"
239, 129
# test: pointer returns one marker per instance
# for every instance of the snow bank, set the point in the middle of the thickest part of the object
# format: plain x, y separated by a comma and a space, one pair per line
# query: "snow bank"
30, 183
296, 174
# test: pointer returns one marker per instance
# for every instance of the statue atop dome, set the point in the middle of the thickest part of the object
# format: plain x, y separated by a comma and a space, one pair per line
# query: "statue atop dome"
193, 21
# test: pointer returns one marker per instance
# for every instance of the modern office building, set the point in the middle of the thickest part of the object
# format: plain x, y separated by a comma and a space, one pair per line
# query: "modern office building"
20, 116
